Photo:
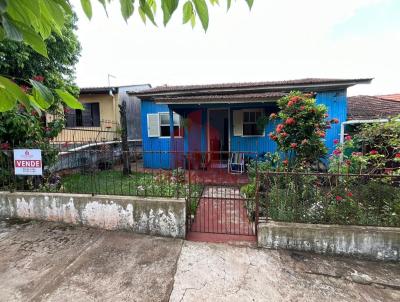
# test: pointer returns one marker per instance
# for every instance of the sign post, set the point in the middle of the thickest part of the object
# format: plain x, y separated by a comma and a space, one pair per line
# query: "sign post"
28, 162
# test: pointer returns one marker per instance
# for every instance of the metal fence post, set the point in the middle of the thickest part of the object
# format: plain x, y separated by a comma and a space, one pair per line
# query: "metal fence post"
257, 208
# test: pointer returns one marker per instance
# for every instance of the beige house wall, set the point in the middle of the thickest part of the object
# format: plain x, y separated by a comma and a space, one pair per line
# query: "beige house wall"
109, 118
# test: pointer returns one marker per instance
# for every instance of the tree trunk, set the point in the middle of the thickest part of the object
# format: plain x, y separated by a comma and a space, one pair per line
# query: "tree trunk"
124, 138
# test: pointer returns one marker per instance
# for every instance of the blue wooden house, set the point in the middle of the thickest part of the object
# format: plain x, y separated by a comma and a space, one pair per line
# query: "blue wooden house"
209, 122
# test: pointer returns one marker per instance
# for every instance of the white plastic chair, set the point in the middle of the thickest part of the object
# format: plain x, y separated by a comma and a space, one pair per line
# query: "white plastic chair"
236, 163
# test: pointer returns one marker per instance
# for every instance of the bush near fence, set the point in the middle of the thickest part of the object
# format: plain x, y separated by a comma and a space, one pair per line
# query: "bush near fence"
327, 198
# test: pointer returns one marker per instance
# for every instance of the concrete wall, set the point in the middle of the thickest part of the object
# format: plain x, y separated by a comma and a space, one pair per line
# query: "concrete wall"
368, 242
154, 216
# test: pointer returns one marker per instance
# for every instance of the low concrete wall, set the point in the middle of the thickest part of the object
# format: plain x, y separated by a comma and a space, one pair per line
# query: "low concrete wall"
154, 216
367, 242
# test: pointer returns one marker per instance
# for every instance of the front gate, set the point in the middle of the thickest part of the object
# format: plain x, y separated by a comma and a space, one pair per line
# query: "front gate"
220, 207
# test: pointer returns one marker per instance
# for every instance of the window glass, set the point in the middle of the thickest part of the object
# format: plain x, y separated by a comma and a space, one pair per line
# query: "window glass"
164, 119
250, 119
246, 117
165, 127
176, 119
164, 131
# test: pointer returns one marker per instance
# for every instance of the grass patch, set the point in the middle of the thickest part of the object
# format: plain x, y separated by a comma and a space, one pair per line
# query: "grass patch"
136, 184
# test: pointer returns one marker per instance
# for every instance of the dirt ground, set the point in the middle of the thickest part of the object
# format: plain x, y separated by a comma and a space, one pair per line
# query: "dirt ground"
42, 261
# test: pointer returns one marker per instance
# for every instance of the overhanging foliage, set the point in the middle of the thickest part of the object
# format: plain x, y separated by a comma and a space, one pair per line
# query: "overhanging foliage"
32, 22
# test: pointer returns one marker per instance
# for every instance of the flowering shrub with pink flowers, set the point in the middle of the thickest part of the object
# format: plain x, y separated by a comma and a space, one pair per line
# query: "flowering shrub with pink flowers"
301, 128
374, 149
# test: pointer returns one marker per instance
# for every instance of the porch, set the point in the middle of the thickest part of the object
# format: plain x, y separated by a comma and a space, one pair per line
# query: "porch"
210, 134
216, 176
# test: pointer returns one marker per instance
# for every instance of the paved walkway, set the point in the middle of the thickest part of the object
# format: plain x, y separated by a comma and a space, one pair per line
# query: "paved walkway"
222, 210
53, 262
217, 272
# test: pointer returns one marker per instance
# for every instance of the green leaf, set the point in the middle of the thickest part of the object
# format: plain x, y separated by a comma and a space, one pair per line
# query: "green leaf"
11, 30
65, 5
187, 12
153, 5
34, 40
47, 21
69, 100
7, 100
250, 3
3, 6
126, 8
228, 4
168, 8
37, 99
2, 34
44, 25
13, 89
56, 12
142, 15
35, 105
193, 20
42, 91
103, 2
87, 8
147, 10
202, 12
24, 11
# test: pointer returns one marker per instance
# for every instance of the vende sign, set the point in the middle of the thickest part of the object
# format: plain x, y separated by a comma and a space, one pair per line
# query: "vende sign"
28, 161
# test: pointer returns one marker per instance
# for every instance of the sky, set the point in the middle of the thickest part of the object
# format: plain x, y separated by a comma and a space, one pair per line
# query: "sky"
276, 40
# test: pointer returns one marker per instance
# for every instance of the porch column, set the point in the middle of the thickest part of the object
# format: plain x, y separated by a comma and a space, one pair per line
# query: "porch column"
204, 128
186, 138
172, 155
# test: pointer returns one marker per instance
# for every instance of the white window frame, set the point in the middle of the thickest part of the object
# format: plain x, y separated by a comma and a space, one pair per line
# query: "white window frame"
243, 122
156, 127
161, 125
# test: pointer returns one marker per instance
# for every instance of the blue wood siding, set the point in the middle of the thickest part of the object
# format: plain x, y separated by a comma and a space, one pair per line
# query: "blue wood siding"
336, 102
258, 144
156, 150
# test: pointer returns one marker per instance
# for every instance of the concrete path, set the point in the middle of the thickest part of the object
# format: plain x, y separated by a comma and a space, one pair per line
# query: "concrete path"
221, 210
53, 262
217, 272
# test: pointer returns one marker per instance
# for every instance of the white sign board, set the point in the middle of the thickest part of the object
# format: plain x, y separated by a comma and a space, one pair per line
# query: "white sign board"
28, 161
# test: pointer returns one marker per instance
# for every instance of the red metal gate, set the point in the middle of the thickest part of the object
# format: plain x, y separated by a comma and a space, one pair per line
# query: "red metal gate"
221, 207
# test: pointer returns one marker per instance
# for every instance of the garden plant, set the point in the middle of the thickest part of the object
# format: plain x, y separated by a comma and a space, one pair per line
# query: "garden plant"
362, 183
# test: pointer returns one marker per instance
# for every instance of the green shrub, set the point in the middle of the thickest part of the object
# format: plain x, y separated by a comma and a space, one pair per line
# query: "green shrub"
333, 200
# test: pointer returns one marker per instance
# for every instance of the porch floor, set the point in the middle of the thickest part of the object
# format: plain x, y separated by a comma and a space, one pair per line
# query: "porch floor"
217, 177
211, 176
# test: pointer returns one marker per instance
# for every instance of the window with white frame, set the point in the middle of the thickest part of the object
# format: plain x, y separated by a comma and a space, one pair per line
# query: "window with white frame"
250, 118
158, 125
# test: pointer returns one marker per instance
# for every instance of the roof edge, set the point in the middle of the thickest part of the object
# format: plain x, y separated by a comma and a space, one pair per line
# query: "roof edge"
251, 87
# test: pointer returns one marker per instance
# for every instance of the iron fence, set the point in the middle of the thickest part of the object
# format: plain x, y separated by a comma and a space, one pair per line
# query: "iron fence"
331, 198
225, 192
210, 182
